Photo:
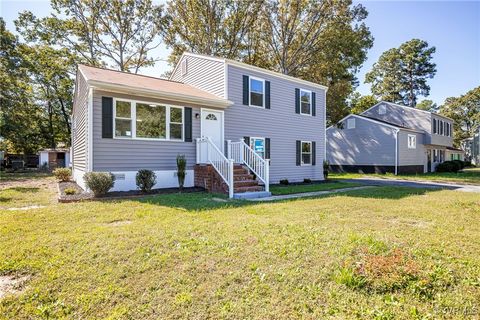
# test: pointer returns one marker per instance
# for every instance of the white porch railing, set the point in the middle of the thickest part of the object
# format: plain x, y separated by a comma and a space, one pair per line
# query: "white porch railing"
208, 152
241, 152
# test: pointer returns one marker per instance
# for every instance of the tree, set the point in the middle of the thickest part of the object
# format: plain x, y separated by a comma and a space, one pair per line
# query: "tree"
401, 74
118, 33
427, 105
359, 103
465, 112
320, 41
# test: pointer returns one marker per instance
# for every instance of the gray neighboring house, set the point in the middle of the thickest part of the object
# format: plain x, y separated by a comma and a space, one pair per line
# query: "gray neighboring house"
389, 137
471, 147
240, 127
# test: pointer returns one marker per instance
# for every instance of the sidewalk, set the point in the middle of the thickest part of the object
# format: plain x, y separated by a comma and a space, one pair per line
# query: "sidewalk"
308, 194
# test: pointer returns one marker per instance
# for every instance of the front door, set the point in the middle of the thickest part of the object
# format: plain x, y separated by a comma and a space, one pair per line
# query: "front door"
212, 126
429, 160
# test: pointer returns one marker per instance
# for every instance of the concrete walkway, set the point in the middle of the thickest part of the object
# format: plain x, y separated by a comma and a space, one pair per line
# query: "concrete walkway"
308, 194
371, 181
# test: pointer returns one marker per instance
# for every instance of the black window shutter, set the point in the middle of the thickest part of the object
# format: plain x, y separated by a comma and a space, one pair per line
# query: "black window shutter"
434, 126
297, 100
299, 152
314, 104
267, 94
267, 148
107, 117
247, 140
245, 90
314, 153
188, 124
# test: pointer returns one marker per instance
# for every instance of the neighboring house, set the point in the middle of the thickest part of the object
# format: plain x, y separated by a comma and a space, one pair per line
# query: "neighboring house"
389, 138
467, 146
452, 153
232, 121
471, 146
54, 158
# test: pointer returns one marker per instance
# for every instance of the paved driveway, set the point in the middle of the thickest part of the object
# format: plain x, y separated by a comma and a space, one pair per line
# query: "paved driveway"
414, 184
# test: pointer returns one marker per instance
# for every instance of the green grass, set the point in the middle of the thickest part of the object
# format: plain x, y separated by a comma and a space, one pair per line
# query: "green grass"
187, 256
467, 176
299, 188
14, 176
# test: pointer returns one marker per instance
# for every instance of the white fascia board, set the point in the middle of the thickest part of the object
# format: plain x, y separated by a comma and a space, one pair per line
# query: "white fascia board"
218, 103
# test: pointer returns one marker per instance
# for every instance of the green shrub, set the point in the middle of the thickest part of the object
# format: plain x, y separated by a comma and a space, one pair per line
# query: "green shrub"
62, 174
99, 182
467, 164
70, 191
448, 166
307, 180
459, 163
181, 167
145, 180
284, 182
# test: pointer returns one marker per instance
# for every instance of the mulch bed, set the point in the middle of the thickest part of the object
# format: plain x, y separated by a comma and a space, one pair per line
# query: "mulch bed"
83, 195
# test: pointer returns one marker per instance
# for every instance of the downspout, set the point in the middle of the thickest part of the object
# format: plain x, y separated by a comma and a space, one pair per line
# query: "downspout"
396, 151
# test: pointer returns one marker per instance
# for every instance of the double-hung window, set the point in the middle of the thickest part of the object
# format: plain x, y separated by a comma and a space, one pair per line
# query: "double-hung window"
305, 102
143, 120
306, 150
412, 141
258, 145
123, 119
257, 92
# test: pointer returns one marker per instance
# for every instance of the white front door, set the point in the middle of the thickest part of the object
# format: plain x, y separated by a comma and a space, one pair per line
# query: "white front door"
212, 126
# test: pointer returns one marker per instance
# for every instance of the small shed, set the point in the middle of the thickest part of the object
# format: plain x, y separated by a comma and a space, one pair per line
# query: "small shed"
54, 158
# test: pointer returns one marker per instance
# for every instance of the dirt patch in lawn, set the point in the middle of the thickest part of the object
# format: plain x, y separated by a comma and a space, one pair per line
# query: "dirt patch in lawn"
118, 223
12, 284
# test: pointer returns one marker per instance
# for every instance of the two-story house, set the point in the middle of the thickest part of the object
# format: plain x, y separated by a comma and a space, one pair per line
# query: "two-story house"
389, 137
240, 127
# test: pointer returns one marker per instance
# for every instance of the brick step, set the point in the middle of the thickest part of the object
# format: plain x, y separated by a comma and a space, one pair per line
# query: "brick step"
247, 189
240, 171
245, 183
241, 177
238, 166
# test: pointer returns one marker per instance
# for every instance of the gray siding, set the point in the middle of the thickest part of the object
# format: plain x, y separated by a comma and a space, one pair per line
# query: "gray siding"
133, 155
406, 156
204, 74
438, 139
368, 144
280, 123
80, 119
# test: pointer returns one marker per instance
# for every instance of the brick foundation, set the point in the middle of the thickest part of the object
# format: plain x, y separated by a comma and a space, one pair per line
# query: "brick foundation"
206, 177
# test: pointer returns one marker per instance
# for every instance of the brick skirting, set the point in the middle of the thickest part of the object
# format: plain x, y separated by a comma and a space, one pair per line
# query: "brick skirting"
205, 176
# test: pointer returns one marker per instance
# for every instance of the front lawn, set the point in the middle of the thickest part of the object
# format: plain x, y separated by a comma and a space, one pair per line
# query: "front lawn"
467, 176
383, 253
310, 187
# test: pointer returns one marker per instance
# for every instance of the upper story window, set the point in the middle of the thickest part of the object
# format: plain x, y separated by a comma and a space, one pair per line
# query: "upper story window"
412, 141
351, 123
382, 109
143, 120
305, 102
257, 92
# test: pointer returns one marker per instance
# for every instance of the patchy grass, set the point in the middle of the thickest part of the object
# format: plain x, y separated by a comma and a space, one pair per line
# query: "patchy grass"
21, 176
310, 187
467, 176
380, 253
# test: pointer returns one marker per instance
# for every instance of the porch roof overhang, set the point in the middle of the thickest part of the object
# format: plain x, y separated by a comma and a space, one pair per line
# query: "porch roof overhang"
135, 84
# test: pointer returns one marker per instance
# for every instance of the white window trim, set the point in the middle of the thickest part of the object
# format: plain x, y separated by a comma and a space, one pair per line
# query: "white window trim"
264, 146
354, 123
302, 153
133, 118
250, 92
300, 102
412, 137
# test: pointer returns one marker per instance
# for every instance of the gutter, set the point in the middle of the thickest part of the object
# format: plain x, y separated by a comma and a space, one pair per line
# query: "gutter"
219, 103
396, 151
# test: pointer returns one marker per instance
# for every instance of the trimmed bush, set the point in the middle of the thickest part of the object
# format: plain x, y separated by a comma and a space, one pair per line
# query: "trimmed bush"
99, 182
62, 174
448, 166
467, 164
284, 182
146, 179
306, 180
70, 191
181, 167
459, 163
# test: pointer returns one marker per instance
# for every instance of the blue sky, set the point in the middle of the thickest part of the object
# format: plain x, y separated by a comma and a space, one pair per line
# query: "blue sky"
453, 27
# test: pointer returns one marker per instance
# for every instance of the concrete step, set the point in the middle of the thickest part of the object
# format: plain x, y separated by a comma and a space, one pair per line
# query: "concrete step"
252, 195
247, 189
245, 183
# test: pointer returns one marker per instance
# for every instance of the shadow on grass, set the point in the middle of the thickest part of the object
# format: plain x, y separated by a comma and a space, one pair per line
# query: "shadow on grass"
200, 201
